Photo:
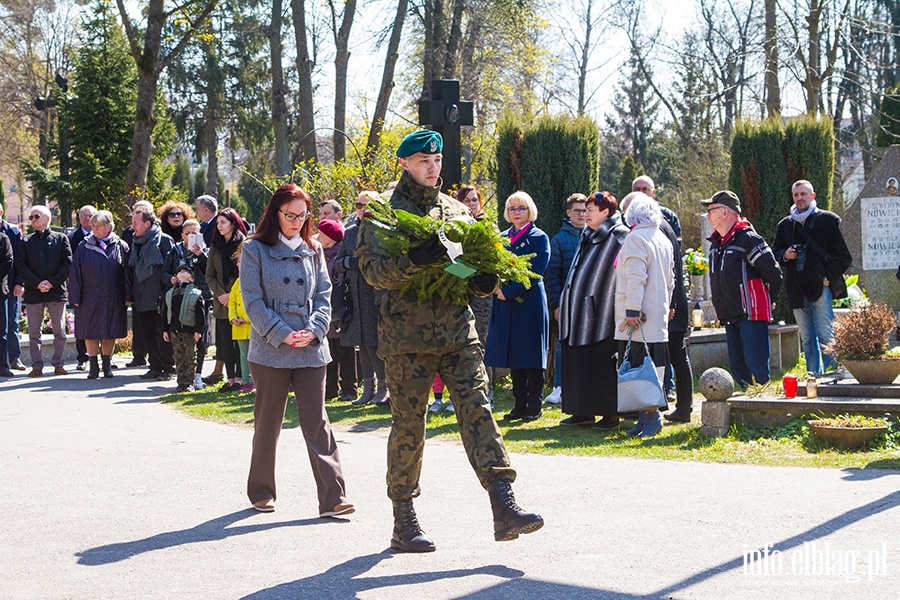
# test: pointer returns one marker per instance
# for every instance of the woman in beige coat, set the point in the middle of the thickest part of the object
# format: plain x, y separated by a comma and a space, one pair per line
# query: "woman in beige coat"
644, 284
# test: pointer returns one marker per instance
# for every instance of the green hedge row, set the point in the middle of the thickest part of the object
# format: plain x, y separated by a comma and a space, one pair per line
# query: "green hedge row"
550, 159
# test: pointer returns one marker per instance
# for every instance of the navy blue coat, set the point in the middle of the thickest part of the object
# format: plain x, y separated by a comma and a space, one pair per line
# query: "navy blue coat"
97, 286
519, 332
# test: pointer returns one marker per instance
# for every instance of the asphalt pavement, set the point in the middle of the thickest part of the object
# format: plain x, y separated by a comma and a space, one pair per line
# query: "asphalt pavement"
110, 494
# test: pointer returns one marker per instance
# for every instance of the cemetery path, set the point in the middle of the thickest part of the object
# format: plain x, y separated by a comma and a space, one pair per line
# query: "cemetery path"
109, 494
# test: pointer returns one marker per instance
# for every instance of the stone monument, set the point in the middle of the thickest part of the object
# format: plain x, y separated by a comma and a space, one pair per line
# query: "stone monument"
871, 227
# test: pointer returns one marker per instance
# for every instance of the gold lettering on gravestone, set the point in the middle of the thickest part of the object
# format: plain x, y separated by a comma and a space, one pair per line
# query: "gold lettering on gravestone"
880, 233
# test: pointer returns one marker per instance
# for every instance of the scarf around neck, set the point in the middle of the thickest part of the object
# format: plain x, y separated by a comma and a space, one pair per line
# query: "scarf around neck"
146, 256
801, 217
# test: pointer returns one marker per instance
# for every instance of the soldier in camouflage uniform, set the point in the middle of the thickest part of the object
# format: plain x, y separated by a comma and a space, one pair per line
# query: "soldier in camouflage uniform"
417, 341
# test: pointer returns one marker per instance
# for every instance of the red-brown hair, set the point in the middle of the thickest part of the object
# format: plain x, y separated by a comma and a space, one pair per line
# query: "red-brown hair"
603, 200
269, 227
236, 221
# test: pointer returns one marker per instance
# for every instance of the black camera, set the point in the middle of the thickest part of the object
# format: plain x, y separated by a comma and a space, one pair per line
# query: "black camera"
800, 249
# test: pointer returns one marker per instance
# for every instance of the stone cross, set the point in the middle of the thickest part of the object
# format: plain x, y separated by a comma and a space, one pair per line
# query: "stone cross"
445, 113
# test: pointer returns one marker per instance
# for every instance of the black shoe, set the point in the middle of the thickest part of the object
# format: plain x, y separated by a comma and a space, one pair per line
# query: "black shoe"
576, 420
80, 366
211, 379
16, 365
151, 374
509, 518
136, 362
678, 417
94, 373
227, 388
347, 397
7, 373
163, 376
533, 417
607, 423
408, 535
514, 414
107, 365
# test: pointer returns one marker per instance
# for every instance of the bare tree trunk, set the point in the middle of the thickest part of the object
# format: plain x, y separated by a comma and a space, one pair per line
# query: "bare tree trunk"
770, 45
142, 142
387, 77
304, 72
454, 41
279, 94
213, 114
150, 63
341, 59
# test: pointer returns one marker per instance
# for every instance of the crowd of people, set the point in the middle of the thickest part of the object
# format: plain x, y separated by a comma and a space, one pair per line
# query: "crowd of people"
317, 308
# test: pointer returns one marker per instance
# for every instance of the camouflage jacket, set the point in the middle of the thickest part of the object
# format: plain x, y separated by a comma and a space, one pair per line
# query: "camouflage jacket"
405, 326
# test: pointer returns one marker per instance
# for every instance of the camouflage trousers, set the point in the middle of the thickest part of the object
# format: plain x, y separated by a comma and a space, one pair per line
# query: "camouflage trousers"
184, 349
409, 379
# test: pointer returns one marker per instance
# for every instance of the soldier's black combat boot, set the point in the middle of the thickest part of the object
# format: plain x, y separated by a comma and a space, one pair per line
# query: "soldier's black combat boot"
107, 366
509, 518
94, 370
408, 535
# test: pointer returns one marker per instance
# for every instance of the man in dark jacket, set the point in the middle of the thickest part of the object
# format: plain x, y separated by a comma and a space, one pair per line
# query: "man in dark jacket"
44, 266
811, 249
76, 236
145, 282
744, 277
13, 350
6, 263
563, 247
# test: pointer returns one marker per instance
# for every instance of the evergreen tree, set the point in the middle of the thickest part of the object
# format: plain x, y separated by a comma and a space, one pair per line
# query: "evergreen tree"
99, 117
629, 172
889, 120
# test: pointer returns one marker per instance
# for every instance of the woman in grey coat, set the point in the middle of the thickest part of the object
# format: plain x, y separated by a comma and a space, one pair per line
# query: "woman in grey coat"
587, 318
287, 292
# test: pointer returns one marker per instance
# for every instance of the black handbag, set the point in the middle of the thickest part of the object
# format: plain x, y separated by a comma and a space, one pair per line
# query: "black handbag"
341, 306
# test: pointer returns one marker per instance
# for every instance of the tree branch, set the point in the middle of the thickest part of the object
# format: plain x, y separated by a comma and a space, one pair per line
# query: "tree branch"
129, 32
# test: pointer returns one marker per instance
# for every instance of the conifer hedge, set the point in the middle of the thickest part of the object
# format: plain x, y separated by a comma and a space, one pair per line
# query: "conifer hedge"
766, 158
550, 159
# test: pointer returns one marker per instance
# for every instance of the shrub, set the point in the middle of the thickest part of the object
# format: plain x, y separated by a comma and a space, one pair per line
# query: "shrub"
862, 333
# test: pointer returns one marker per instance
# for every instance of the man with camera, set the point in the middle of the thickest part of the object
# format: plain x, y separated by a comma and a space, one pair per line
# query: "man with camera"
813, 255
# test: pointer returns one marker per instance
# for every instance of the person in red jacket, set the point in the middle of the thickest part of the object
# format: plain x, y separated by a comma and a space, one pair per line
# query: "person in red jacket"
744, 278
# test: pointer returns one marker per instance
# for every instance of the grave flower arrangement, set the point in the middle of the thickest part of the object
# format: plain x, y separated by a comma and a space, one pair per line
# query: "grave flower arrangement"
695, 262
484, 250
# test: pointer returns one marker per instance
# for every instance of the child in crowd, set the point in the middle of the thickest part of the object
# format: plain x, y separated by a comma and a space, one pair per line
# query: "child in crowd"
195, 256
240, 328
438, 389
184, 322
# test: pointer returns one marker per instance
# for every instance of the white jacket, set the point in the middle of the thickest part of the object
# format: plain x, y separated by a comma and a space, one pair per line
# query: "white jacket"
644, 282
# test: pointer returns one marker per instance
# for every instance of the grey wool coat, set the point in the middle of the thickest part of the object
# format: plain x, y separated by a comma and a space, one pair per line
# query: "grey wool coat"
285, 290
587, 304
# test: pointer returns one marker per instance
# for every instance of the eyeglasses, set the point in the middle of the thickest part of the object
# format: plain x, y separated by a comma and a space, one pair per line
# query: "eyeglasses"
360, 205
35, 217
517, 209
175, 214
579, 211
709, 210
294, 217
643, 189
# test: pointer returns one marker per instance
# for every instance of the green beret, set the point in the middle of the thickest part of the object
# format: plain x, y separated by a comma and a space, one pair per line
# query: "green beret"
423, 140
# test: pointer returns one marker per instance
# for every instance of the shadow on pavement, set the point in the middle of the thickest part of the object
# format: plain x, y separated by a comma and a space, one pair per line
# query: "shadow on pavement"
819, 531
215, 529
344, 581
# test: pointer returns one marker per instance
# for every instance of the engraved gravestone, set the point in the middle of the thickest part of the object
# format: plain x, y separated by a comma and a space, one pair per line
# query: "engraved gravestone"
871, 227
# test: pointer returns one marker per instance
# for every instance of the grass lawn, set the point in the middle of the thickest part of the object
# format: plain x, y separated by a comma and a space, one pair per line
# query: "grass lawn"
793, 444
